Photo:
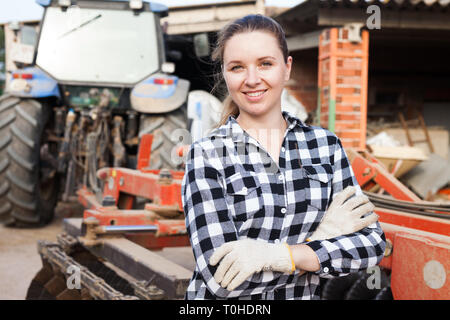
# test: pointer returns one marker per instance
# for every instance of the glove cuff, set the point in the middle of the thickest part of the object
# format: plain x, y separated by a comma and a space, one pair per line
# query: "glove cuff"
283, 261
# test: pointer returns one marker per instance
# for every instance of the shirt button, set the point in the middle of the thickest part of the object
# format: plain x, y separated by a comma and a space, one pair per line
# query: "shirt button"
277, 241
244, 189
283, 210
283, 149
280, 177
325, 269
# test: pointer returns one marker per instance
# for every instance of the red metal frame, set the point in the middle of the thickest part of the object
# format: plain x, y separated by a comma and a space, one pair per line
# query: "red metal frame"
416, 239
413, 251
124, 185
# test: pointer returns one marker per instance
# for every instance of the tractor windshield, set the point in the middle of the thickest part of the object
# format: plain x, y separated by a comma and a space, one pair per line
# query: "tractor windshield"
98, 45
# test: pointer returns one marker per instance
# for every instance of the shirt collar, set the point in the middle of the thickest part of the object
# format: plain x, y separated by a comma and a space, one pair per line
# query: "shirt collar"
232, 129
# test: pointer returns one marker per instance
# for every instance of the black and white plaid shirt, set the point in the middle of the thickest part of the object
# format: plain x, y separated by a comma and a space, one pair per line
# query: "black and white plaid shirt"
233, 190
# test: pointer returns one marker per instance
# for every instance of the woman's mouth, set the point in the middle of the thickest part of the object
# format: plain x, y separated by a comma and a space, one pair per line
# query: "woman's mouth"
255, 95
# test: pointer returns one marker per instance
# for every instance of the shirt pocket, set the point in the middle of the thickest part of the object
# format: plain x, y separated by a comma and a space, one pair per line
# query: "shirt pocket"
319, 180
243, 195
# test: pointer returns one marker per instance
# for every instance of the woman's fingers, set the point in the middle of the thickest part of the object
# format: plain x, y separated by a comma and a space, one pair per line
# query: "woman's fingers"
221, 252
355, 202
230, 274
342, 196
242, 275
363, 210
224, 265
366, 221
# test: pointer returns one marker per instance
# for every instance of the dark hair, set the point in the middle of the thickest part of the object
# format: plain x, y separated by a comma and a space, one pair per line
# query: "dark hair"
249, 23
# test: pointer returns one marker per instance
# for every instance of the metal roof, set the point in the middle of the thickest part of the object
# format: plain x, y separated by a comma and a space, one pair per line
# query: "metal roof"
397, 3
398, 14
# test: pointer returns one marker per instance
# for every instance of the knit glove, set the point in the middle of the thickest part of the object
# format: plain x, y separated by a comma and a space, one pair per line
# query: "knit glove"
242, 258
344, 215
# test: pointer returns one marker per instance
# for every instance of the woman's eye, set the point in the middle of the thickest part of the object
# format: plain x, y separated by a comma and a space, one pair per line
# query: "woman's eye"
266, 64
235, 68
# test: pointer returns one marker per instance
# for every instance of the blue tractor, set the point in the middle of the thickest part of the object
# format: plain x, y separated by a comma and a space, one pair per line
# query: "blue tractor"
99, 81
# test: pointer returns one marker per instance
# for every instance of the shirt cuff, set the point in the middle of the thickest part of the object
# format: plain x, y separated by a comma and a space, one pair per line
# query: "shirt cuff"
323, 257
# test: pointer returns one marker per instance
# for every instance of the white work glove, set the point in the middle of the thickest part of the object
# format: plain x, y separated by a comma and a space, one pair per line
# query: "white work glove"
242, 258
344, 215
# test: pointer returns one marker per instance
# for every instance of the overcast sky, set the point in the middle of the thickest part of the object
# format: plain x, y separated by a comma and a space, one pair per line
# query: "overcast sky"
21, 10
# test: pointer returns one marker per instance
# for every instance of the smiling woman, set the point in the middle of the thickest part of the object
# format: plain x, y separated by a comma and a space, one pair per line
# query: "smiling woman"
270, 202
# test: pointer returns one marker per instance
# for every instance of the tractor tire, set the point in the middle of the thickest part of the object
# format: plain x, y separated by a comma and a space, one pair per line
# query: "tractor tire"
162, 126
354, 287
7, 116
25, 200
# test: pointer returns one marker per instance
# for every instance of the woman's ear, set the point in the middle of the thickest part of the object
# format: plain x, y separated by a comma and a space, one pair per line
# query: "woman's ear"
288, 68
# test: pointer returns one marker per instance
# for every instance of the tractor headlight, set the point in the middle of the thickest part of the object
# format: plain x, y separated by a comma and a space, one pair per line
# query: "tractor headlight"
136, 4
168, 67
64, 3
19, 85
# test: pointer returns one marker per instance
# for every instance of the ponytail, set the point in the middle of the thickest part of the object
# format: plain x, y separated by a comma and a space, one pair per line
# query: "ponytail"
230, 108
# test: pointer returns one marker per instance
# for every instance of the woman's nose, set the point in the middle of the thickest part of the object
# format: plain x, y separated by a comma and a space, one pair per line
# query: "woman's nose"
253, 77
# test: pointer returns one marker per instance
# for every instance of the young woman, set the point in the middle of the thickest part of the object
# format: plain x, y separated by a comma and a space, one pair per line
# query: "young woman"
269, 201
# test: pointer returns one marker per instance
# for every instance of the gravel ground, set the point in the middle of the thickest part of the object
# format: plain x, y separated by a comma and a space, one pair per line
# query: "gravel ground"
19, 259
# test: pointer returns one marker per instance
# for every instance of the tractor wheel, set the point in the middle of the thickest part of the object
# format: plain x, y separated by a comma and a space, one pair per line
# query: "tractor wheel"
162, 127
7, 116
27, 195
355, 287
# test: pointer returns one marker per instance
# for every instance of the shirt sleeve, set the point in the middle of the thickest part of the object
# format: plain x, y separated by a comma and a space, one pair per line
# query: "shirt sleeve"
209, 226
352, 252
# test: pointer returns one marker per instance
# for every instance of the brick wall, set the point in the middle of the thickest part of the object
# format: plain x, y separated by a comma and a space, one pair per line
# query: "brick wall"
342, 79
304, 78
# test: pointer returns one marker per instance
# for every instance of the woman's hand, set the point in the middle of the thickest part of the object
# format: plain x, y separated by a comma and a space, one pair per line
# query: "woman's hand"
344, 217
242, 258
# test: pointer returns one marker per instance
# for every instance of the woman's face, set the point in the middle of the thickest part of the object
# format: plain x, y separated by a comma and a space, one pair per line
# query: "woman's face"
255, 72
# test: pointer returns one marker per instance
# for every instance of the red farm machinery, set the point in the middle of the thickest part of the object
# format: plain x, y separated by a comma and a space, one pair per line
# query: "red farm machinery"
122, 252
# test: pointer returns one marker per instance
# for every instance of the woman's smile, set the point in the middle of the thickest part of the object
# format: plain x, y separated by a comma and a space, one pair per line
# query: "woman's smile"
255, 96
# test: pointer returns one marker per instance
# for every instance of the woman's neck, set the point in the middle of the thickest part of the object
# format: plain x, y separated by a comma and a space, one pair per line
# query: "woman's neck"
268, 130
269, 121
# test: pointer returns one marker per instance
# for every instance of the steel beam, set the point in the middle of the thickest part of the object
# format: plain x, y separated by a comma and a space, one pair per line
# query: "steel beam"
138, 262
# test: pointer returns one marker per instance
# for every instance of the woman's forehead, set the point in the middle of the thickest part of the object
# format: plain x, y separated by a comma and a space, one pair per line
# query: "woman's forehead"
251, 45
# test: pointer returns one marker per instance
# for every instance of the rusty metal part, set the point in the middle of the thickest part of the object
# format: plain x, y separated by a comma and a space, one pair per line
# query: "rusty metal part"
142, 226
91, 162
60, 261
138, 262
66, 242
92, 230
64, 147
119, 151
70, 178
430, 209
132, 125
147, 291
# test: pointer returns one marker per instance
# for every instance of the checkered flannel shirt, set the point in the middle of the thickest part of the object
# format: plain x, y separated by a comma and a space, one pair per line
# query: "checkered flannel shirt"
233, 190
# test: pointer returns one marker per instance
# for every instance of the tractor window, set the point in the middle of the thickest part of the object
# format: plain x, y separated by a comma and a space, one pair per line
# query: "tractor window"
98, 45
